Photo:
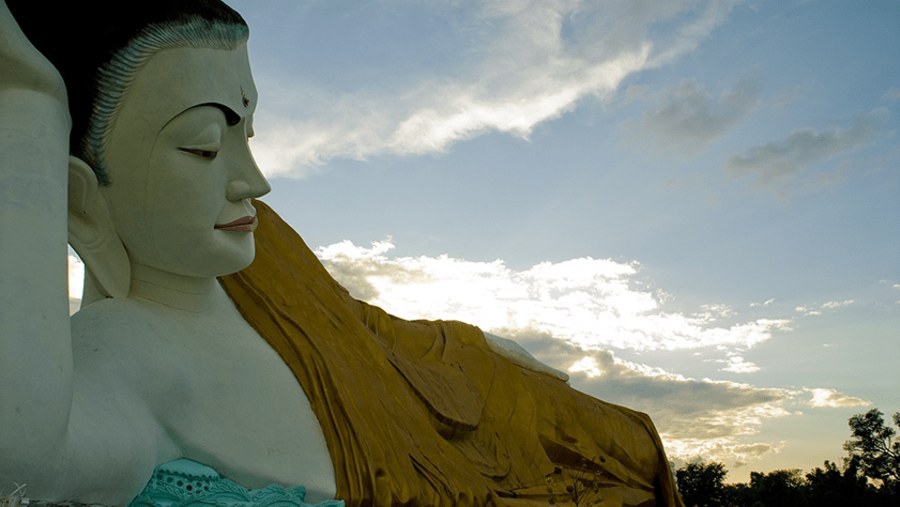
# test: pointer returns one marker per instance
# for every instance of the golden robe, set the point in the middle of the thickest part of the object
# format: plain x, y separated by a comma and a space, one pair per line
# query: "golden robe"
424, 413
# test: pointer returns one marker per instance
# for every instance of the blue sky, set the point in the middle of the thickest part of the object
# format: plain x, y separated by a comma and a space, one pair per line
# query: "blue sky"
693, 207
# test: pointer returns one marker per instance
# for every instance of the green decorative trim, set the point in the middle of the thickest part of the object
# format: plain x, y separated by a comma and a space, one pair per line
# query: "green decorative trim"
186, 483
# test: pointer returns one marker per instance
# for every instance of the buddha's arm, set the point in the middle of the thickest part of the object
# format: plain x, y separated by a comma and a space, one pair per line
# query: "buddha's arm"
517, 354
35, 344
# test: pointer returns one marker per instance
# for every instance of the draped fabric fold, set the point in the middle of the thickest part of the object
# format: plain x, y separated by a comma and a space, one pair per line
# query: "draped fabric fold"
423, 412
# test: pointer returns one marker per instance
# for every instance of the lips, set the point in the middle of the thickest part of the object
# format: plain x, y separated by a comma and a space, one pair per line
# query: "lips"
243, 224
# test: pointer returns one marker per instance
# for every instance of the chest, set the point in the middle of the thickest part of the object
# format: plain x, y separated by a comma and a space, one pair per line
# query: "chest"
237, 407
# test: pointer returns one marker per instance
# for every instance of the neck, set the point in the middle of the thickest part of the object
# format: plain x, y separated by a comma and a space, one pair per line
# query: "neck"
187, 293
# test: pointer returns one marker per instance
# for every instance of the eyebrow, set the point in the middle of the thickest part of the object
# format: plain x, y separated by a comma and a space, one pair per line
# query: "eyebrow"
232, 118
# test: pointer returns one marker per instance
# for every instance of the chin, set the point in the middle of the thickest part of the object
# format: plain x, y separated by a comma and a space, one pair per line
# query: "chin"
235, 253
217, 262
244, 262
234, 261
229, 265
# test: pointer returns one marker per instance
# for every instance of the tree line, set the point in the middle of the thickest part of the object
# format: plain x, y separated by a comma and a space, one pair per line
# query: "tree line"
868, 476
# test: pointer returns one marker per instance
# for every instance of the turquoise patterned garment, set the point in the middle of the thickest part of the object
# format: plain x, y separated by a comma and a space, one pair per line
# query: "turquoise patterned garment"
183, 483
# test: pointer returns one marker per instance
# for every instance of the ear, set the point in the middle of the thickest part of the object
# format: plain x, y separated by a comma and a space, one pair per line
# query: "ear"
93, 235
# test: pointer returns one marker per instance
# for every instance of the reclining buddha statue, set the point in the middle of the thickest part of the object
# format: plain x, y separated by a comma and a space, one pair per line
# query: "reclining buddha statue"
213, 352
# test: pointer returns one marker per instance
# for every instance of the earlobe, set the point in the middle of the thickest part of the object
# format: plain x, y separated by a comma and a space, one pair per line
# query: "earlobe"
93, 235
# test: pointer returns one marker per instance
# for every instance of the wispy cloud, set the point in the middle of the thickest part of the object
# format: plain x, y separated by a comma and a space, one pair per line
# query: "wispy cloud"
688, 117
603, 374
815, 311
718, 420
721, 449
595, 303
803, 147
807, 311
737, 364
829, 398
525, 63
833, 305
892, 94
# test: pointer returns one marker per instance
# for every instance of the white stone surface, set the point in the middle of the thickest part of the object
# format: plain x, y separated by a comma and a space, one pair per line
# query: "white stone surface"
167, 368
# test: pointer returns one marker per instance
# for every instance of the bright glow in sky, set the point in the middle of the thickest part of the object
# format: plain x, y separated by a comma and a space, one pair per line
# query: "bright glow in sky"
693, 207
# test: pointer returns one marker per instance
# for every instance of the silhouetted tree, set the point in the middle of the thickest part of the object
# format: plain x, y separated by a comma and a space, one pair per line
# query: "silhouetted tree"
702, 484
872, 448
738, 495
778, 488
830, 487
869, 477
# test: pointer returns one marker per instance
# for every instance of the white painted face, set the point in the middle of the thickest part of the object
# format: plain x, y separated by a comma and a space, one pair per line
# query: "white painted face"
181, 171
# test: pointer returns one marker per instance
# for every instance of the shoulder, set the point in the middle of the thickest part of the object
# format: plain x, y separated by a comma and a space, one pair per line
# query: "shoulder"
113, 331
122, 325
124, 345
113, 425
111, 315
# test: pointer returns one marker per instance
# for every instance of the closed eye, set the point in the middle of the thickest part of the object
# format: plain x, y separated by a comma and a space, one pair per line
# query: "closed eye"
200, 152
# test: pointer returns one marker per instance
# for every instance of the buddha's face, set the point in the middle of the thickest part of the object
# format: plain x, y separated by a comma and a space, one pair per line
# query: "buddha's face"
181, 171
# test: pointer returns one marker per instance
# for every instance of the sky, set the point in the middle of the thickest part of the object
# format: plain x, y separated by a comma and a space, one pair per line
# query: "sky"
691, 207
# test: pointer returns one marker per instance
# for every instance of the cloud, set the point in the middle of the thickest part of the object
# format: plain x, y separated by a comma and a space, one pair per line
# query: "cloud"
737, 364
688, 117
829, 398
522, 64
892, 94
683, 406
698, 23
594, 303
801, 148
603, 374
807, 312
719, 420
821, 309
721, 450
833, 305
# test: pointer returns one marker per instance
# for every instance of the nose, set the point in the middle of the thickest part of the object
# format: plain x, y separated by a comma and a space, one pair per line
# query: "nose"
247, 181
